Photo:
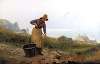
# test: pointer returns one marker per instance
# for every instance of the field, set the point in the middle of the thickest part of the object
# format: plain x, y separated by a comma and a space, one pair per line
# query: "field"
11, 51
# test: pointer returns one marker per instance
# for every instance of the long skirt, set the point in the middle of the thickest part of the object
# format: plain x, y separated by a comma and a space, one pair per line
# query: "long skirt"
37, 37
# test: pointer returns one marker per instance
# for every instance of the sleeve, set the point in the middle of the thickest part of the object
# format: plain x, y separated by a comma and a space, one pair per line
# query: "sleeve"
44, 28
33, 22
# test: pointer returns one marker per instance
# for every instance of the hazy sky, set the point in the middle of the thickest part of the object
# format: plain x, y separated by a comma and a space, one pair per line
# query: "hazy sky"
66, 17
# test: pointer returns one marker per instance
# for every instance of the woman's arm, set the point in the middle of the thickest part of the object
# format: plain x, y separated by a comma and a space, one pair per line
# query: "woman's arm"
44, 28
33, 22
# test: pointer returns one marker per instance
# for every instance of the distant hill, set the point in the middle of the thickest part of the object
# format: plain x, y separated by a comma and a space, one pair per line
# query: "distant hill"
83, 39
8, 25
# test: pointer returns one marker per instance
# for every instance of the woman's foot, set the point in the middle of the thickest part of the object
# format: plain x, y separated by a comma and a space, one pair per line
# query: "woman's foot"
39, 51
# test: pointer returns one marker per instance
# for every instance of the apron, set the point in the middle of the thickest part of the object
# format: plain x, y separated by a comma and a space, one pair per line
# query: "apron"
37, 37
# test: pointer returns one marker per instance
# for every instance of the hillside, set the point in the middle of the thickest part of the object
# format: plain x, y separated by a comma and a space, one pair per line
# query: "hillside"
11, 44
8, 25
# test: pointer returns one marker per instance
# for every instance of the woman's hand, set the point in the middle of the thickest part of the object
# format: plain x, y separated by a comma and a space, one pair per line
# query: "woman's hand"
44, 35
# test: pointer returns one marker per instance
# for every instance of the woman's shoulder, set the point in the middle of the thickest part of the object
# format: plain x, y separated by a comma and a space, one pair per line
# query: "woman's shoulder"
33, 21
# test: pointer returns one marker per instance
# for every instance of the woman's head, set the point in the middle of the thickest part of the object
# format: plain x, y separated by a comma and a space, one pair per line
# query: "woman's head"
44, 17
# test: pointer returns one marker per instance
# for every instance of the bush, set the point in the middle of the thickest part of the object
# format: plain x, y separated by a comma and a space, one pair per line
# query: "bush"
58, 43
12, 37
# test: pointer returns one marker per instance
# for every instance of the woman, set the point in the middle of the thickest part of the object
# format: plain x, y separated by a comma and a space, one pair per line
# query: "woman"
37, 32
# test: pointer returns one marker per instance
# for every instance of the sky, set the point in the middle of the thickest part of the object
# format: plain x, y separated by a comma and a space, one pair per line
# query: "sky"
66, 17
